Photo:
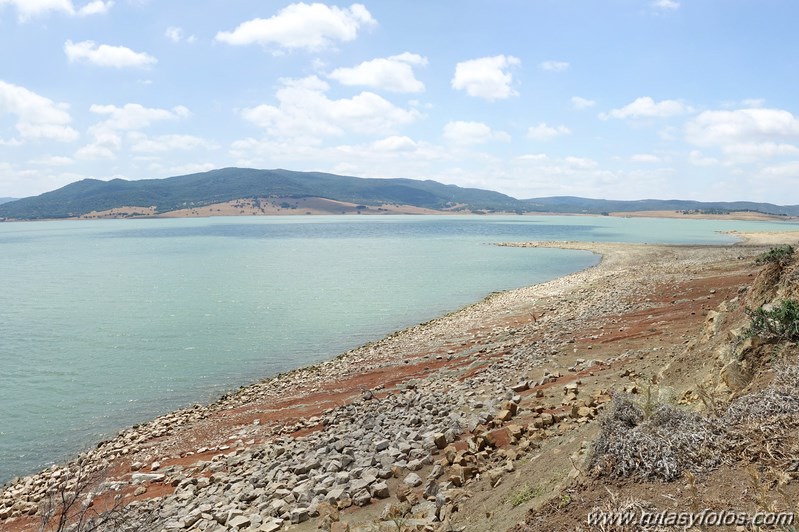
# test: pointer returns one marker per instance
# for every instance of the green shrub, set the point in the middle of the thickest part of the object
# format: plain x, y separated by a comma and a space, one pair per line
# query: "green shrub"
781, 255
778, 322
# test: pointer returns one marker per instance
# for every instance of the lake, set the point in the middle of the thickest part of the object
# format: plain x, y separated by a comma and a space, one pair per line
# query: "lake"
104, 324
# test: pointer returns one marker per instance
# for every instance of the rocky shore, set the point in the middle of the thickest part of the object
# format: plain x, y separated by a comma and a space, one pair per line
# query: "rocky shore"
431, 428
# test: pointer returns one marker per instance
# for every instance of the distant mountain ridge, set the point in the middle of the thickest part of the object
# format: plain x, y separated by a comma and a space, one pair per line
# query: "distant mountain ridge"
572, 204
6, 200
230, 184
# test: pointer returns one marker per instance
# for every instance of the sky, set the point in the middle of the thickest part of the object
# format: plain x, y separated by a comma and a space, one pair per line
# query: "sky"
617, 99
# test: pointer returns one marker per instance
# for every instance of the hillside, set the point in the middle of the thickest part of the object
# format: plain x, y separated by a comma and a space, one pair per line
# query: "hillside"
227, 184
247, 191
6, 200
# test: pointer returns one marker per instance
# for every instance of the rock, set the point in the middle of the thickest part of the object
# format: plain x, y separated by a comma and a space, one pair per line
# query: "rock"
271, 525
362, 498
521, 386
504, 415
138, 478
240, 521
380, 490
381, 445
413, 480
299, 515
141, 490
440, 440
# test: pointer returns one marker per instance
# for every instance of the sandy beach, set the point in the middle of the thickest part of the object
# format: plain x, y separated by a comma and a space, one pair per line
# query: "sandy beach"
449, 418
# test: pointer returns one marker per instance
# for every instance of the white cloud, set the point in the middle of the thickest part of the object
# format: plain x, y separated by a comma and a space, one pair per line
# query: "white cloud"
302, 26
28, 9
645, 158
395, 143
582, 103
106, 56
555, 66
393, 73
544, 132
143, 144
96, 7
698, 159
130, 117
175, 34
37, 117
133, 116
665, 4
466, 133
646, 107
788, 170
487, 77
741, 126
54, 160
305, 111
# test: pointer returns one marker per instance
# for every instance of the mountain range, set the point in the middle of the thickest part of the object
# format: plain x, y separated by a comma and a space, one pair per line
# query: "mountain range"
292, 190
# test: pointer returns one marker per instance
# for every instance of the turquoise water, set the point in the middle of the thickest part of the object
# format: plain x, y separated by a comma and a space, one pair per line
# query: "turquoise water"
107, 323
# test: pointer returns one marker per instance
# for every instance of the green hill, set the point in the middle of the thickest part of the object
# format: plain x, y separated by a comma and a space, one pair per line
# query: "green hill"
228, 184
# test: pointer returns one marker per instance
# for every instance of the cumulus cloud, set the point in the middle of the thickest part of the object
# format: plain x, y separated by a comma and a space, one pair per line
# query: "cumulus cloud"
646, 107
554, 66
394, 73
130, 117
466, 133
37, 117
175, 34
746, 135
96, 7
741, 126
395, 143
105, 55
28, 9
311, 27
645, 158
544, 132
487, 77
582, 103
697, 158
665, 4
305, 111
168, 143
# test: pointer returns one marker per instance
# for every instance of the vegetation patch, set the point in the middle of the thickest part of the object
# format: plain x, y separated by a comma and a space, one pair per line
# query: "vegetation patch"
778, 321
662, 446
781, 255
525, 494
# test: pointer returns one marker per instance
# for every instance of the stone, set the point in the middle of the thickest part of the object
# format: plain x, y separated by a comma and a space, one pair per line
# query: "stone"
362, 498
520, 387
240, 521
271, 525
381, 445
299, 515
440, 440
413, 480
380, 490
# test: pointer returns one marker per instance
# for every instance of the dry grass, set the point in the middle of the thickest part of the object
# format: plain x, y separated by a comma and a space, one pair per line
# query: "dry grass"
660, 447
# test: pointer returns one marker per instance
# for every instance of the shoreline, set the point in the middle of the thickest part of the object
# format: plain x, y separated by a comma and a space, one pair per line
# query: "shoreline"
482, 337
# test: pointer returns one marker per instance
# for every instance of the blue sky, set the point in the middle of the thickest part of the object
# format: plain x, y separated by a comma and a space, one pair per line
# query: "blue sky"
622, 99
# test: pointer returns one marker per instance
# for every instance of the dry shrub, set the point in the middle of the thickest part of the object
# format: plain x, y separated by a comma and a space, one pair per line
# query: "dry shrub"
661, 447
764, 426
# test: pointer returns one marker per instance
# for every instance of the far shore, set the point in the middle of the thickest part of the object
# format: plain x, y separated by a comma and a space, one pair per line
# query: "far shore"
577, 323
325, 207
